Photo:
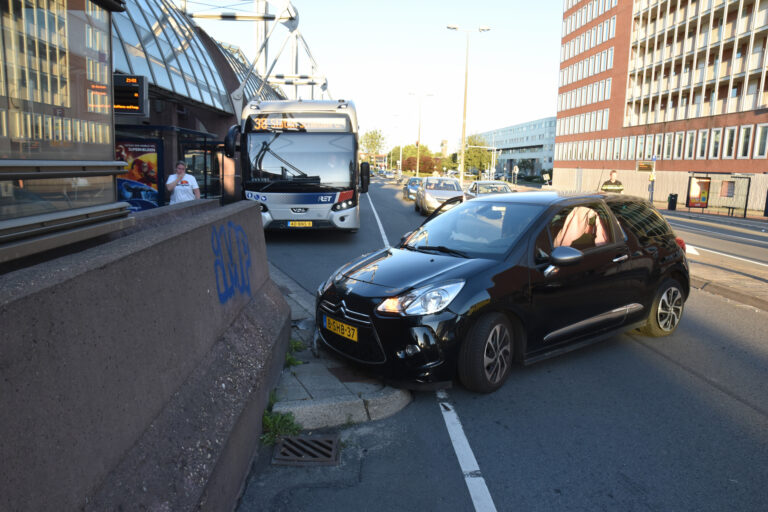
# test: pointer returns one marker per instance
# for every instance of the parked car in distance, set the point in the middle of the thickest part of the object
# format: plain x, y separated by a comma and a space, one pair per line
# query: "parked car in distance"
501, 279
410, 187
433, 191
482, 188
389, 174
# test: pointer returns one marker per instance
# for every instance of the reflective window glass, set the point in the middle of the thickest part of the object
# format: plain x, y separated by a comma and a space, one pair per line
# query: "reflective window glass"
119, 60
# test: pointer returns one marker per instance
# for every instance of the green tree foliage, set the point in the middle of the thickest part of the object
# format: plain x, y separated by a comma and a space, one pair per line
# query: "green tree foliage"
476, 158
372, 142
409, 151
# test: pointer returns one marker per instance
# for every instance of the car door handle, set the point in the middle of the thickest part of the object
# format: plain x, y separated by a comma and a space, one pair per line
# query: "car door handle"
623, 257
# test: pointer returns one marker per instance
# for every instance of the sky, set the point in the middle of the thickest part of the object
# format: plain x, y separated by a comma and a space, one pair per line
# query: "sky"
389, 56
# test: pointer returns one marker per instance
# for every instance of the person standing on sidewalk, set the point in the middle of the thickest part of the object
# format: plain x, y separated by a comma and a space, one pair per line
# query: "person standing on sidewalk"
612, 184
182, 186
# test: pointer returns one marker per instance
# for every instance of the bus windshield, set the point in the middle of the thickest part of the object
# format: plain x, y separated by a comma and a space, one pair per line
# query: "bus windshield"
300, 161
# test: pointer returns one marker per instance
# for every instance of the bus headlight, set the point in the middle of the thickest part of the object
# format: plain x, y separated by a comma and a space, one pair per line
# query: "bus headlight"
344, 205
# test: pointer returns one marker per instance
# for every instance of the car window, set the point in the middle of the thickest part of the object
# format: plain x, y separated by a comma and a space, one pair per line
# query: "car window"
477, 228
542, 248
582, 227
642, 220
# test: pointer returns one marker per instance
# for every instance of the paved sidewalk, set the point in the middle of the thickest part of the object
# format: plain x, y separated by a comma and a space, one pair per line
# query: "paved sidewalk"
323, 391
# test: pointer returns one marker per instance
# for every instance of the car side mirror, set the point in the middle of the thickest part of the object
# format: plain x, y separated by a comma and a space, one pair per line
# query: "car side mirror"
230, 141
365, 176
564, 256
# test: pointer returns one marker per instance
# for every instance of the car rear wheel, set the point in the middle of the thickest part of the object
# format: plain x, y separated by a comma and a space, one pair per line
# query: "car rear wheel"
485, 358
416, 205
667, 310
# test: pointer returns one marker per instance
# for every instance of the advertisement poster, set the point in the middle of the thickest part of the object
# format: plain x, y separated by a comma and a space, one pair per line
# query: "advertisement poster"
138, 186
698, 192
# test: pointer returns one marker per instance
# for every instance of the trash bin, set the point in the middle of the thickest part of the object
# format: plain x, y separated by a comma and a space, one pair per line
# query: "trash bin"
672, 202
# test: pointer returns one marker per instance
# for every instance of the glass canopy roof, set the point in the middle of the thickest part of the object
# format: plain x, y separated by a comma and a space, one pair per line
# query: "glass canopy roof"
153, 38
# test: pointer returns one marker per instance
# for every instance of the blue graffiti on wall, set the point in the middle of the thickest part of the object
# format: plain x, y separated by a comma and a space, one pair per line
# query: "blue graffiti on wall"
232, 260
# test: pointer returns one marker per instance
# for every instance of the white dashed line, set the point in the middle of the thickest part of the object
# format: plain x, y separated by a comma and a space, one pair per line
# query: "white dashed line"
478, 491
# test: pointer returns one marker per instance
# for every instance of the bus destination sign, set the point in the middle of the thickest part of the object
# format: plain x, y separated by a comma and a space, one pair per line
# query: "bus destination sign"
301, 123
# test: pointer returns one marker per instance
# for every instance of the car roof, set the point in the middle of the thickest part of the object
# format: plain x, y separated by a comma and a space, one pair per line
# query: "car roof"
495, 182
549, 197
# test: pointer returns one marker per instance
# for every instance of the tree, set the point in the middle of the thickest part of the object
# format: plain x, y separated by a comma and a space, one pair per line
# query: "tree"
476, 158
372, 142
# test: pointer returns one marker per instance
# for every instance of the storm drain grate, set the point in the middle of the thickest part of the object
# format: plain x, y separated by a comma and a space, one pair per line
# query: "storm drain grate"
307, 450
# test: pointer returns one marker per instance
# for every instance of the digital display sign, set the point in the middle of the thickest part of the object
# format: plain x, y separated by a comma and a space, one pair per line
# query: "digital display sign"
130, 95
299, 122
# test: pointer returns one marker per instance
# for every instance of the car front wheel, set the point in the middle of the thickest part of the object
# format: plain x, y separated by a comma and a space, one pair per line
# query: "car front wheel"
667, 310
485, 358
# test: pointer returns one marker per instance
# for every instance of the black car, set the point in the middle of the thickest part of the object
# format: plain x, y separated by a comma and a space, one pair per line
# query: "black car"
503, 278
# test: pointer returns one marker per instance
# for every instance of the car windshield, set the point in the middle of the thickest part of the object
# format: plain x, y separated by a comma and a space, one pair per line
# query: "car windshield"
446, 184
493, 188
476, 229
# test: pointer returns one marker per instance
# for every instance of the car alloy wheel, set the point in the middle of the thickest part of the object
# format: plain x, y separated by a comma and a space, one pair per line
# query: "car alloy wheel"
670, 309
498, 354
667, 310
485, 357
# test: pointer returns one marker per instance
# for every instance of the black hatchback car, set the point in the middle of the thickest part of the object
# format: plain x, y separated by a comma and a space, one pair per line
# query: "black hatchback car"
509, 277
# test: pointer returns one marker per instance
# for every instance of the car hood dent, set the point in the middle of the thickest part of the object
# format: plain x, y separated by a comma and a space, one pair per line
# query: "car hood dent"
397, 270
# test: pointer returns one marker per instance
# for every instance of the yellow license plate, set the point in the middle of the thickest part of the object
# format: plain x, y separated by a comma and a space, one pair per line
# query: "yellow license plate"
299, 223
341, 328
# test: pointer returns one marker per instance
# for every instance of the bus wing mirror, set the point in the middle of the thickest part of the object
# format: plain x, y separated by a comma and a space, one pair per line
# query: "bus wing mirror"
230, 141
365, 176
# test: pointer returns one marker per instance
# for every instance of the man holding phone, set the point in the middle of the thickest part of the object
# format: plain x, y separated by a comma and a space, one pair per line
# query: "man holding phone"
182, 186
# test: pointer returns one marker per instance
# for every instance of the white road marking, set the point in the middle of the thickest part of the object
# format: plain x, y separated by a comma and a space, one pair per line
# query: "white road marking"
478, 491
690, 247
378, 221
725, 235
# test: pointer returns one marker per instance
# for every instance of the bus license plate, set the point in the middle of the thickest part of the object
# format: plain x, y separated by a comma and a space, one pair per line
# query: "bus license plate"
341, 328
299, 223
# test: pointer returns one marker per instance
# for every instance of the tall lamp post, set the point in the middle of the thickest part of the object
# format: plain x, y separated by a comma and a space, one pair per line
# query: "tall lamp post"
418, 136
464, 116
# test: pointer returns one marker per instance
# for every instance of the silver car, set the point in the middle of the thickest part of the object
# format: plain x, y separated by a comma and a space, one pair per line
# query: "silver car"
486, 187
432, 192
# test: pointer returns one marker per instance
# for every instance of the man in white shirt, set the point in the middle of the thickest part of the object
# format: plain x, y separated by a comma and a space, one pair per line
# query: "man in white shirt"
182, 186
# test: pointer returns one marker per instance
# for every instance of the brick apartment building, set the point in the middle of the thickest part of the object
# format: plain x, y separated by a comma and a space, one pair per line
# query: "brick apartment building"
681, 83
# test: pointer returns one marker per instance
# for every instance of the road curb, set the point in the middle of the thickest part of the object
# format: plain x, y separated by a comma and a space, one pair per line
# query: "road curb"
729, 293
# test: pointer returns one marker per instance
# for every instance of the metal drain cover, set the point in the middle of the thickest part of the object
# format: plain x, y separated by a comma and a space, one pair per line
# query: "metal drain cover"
307, 450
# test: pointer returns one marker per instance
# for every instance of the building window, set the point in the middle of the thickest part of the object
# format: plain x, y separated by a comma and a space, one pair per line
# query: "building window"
745, 141
714, 144
727, 188
690, 142
617, 149
640, 147
605, 118
729, 147
624, 143
679, 141
603, 147
659, 145
761, 141
609, 150
648, 147
701, 151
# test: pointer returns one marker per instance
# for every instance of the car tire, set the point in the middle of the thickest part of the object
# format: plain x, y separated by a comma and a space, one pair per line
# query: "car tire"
666, 311
485, 357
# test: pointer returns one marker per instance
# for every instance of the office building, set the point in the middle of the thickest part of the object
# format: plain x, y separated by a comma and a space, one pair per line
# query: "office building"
677, 83
529, 145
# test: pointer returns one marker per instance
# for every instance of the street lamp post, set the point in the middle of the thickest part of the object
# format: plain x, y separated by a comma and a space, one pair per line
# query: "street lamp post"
464, 115
418, 136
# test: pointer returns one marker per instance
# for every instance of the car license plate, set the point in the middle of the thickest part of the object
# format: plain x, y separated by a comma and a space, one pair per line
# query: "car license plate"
340, 328
299, 223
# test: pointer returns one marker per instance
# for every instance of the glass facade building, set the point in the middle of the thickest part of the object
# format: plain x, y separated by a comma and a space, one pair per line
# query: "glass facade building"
63, 149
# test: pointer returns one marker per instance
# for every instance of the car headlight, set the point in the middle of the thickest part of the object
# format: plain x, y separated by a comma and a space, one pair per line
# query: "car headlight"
426, 300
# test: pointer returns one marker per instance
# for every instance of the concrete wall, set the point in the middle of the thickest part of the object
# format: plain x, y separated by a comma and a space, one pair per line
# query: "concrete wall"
636, 183
134, 373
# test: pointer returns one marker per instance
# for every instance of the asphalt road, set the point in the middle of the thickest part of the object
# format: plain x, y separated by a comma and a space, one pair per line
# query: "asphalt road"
633, 423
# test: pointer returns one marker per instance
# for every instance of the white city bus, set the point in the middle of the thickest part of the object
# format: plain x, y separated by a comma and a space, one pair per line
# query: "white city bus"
299, 162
